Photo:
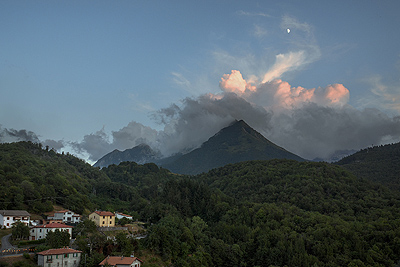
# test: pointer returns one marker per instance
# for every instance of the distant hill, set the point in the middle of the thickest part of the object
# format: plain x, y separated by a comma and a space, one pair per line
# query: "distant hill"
140, 154
235, 143
379, 164
312, 186
34, 178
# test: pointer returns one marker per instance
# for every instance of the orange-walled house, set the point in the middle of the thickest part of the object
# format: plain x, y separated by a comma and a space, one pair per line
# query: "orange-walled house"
103, 218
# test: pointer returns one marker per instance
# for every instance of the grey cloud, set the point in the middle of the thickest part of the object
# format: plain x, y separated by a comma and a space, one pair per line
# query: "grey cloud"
198, 119
57, 145
12, 135
95, 144
134, 134
315, 131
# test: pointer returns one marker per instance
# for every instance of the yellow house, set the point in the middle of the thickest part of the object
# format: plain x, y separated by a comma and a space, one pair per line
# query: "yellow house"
103, 218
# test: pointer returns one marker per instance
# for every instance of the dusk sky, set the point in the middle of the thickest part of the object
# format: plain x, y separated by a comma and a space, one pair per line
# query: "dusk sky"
89, 77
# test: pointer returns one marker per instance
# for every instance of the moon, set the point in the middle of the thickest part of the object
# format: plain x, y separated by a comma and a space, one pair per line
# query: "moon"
288, 30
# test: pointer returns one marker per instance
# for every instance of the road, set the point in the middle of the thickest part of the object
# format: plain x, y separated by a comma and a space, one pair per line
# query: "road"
5, 243
9, 250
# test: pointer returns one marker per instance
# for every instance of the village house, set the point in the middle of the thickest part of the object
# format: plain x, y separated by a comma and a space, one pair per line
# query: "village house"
8, 217
103, 218
64, 216
61, 257
120, 215
118, 261
40, 231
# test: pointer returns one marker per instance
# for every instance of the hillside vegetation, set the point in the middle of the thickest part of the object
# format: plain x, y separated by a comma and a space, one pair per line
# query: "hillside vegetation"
35, 178
254, 213
379, 163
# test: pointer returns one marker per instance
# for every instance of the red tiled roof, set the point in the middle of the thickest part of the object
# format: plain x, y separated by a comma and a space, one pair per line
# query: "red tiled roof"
104, 213
53, 225
117, 260
58, 251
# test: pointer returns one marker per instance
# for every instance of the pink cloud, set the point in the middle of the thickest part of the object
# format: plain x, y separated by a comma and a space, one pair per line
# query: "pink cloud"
337, 94
280, 94
235, 83
284, 63
287, 96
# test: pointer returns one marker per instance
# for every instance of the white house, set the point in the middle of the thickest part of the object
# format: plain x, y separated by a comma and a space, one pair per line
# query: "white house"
65, 216
8, 217
120, 215
40, 231
118, 261
61, 257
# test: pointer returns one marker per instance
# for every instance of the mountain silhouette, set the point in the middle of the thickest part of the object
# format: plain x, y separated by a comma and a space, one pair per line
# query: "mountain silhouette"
140, 154
235, 143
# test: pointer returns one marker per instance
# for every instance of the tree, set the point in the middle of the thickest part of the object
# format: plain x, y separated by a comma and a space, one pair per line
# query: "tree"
84, 228
57, 239
20, 231
124, 244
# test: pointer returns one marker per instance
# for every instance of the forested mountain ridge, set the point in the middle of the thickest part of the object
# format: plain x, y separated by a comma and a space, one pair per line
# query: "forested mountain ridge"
312, 186
379, 163
34, 178
277, 213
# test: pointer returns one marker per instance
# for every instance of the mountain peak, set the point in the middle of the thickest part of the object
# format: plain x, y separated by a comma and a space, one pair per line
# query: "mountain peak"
234, 143
140, 154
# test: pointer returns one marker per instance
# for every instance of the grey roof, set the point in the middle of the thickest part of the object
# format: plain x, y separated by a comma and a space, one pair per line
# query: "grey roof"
14, 213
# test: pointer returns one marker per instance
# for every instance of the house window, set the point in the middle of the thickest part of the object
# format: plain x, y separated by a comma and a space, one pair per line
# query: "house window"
58, 264
65, 263
110, 217
66, 255
56, 256
49, 265
40, 230
104, 217
104, 222
8, 218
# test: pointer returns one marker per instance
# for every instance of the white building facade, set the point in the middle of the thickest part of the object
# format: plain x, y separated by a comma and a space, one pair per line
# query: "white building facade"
62, 257
120, 215
65, 216
40, 231
9, 217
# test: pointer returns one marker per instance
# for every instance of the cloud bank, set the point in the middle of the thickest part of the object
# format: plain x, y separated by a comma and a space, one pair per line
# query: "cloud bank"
313, 123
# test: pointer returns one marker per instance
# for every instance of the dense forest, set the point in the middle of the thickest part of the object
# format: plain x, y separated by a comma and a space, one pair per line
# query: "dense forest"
379, 163
255, 213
